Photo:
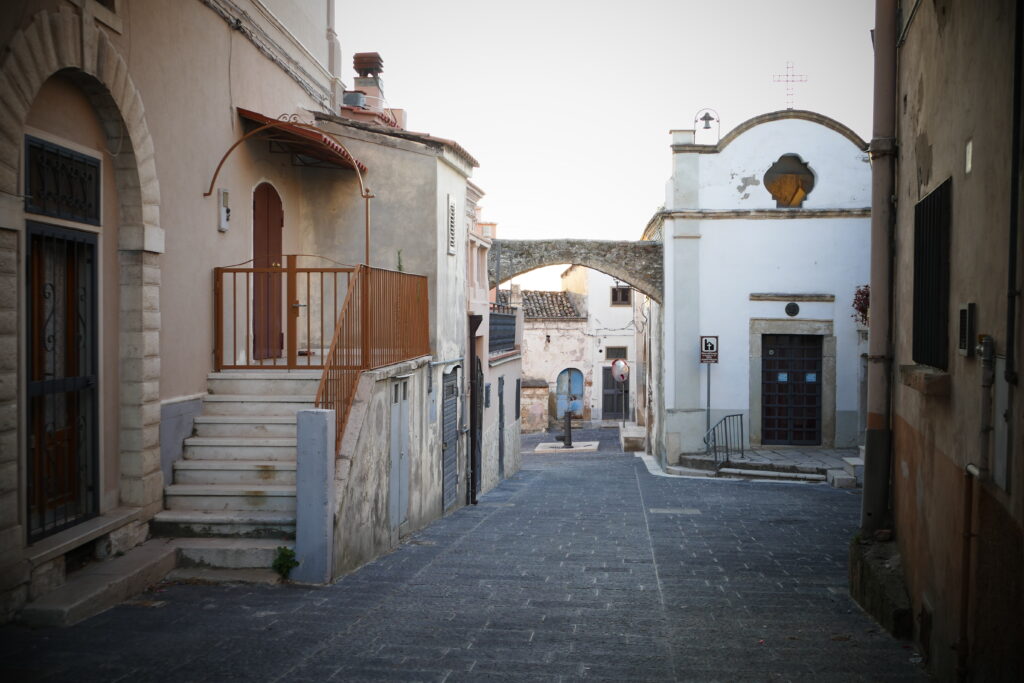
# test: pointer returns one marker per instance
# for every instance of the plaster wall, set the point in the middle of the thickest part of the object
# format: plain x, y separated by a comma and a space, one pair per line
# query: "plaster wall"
734, 177
550, 346
534, 417
954, 56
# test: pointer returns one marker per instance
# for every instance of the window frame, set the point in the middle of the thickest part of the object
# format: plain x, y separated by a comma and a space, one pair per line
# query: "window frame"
628, 295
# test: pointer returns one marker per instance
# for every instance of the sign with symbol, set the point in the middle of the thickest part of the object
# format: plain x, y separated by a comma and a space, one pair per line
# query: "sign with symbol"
620, 370
709, 349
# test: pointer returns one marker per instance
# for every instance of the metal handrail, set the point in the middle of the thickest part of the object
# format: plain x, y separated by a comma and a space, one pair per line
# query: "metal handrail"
276, 317
725, 438
383, 321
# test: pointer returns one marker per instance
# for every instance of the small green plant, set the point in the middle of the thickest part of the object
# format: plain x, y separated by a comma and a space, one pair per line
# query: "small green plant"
400, 268
284, 561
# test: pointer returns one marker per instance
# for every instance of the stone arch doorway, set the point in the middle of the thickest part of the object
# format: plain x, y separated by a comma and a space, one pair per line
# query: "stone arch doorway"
61, 43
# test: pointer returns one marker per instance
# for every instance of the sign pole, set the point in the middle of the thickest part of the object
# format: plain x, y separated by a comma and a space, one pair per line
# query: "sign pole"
708, 428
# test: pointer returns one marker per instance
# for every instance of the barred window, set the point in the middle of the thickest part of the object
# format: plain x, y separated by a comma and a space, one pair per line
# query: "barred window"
621, 296
61, 183
931, 278
613, 352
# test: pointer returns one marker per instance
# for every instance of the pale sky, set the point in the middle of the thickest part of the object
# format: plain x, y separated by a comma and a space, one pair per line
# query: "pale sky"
567, 104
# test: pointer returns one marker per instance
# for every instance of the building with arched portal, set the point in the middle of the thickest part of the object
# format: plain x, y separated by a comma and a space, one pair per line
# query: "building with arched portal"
766, 239
183, 230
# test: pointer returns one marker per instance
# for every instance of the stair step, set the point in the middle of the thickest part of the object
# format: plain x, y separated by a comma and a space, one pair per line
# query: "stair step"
256, 426
234, 472
269, 497
770, 474
228, 553
228, 523
244, 404
239, 448
264, 382
267, 577
102, 585
839, 479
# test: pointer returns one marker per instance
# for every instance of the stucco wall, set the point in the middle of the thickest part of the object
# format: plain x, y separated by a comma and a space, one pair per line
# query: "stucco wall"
550, 346
955, 55
534, 417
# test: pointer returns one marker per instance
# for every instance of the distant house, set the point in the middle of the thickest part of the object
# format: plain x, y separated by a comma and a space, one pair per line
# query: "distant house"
555, 352
765, 241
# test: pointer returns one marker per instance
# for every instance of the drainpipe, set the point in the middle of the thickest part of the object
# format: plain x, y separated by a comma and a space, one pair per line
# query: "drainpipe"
877, 441
1010, 374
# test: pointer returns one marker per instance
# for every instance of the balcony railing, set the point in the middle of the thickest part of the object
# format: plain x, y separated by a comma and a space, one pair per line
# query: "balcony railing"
276, 317
383, 320
502, 331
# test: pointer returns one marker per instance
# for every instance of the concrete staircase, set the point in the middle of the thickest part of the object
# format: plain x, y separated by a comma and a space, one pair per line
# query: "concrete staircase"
232, 499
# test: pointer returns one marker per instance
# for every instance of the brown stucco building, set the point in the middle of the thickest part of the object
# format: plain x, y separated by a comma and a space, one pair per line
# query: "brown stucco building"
944, 456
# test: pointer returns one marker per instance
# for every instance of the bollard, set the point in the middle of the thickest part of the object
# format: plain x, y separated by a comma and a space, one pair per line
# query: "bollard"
568, 429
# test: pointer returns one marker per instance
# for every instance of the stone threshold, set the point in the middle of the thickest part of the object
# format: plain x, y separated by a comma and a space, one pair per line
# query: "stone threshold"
80, 534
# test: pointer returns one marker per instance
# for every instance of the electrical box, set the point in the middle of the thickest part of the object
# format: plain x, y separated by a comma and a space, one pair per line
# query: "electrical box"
965, 337
223, 209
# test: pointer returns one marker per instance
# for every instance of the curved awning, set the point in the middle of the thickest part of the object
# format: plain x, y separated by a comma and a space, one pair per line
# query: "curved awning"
308, 146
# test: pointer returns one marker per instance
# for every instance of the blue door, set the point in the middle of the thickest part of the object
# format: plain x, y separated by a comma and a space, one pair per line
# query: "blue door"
569, 393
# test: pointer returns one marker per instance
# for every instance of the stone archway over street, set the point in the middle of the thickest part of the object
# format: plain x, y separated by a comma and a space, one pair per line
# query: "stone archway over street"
637, 263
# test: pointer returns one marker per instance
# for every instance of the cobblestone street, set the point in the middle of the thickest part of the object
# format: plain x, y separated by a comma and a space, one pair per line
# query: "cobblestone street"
582, 566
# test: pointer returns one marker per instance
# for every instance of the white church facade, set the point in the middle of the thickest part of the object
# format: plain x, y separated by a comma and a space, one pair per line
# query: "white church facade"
766, 239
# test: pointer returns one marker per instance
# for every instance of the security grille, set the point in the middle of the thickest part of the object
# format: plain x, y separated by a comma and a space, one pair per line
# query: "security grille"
931, 278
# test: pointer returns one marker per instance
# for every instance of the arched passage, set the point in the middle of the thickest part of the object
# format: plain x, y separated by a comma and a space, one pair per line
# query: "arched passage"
637, 263
60, 42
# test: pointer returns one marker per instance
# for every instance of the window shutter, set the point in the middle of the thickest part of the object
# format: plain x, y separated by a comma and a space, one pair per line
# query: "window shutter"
451, 224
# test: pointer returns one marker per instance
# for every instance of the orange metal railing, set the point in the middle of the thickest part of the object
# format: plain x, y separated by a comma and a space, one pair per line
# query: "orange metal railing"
277, 317
384, 320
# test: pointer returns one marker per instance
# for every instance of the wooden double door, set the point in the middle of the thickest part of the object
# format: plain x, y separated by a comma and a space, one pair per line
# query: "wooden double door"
791, 378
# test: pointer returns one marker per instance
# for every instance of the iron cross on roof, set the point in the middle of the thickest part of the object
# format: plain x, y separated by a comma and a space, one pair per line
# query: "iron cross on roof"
789, 78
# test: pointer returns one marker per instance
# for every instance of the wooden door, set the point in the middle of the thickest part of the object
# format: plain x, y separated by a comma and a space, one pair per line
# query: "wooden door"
267, 229
501, 427
614, 396
62, 379
791, 389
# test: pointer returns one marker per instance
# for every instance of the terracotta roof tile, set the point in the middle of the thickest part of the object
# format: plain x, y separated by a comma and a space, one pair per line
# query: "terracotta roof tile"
541, 304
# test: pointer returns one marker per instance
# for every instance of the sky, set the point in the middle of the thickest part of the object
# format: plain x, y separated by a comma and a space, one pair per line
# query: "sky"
568, 104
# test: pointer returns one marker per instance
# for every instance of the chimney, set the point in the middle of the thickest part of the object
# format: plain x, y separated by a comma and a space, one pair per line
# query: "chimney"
516, 296
368, 67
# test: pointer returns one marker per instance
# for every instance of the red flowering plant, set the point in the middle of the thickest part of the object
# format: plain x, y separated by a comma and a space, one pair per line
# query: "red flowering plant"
861, 304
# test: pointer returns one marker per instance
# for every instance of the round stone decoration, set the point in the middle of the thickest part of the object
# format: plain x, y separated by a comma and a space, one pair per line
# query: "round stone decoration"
792, 309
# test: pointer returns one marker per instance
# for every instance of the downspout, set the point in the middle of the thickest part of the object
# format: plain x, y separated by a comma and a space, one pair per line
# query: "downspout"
1010, 374
877, 441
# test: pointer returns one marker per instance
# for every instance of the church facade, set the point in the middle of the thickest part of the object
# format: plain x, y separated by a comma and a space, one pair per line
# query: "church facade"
766, 241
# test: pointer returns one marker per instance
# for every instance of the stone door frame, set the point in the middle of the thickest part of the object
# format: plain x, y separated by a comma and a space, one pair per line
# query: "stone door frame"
70, 43
824, 328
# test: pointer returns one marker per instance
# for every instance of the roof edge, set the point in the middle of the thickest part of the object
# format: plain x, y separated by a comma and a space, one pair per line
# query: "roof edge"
780, 115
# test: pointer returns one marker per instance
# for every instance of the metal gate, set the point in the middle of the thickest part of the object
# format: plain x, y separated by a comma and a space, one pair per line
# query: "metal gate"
791, 389
449, 438
62, 378
614, 396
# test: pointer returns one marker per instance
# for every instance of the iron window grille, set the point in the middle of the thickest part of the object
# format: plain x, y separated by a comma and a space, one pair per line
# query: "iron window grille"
615, 352
931, 278
622, 296
60, 182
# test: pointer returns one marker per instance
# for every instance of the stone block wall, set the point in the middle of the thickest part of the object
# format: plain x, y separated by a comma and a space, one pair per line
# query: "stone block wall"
534, 406
13, 589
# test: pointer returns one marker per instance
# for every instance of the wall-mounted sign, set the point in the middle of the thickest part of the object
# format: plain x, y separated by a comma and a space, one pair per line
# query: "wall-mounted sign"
620, 370
709, 349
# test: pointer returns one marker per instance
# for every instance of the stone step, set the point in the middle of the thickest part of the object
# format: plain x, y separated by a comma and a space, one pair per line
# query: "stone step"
268, 497
769, 474
840, 479
697, 462
102, 585
855, 468
239, 448
211, 575
243, 404
238, 523
234, 472
255, 426
264, 382
228, 553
